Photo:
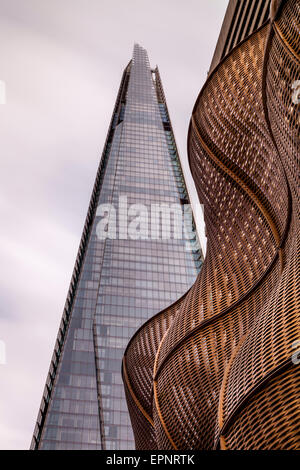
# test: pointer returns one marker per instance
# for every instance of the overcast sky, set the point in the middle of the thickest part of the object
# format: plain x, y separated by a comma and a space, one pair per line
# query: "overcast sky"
62, 62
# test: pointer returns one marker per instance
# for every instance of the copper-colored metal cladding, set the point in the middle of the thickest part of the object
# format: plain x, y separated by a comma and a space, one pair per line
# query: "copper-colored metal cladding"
215, 370
138, 364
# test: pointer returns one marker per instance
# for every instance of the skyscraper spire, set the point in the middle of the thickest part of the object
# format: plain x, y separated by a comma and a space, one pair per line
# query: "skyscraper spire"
127, 269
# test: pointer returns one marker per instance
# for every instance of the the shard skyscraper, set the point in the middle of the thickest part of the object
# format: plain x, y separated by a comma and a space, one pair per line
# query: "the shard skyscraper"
121, 279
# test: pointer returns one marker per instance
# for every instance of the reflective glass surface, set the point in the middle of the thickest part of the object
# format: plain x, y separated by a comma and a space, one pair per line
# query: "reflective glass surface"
123, 281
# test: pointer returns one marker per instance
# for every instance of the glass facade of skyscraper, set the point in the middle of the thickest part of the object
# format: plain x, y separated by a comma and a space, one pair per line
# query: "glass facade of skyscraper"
121, 280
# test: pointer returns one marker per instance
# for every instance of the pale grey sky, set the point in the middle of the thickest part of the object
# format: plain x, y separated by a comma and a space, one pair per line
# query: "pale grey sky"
62, 62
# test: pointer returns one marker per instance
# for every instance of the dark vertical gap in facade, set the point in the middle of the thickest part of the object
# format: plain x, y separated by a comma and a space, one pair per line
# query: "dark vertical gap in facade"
248, 16
264, 14
240, 32
99, 394
231, 38
249, 19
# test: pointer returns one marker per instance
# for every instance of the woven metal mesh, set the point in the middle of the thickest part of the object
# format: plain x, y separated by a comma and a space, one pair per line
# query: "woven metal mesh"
215, 370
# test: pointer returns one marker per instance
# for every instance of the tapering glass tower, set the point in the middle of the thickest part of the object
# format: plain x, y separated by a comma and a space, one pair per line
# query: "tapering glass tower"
120, 280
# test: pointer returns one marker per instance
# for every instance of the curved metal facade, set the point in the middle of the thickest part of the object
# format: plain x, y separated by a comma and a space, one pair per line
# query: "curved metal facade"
216, 369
